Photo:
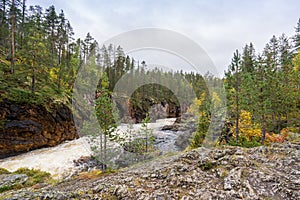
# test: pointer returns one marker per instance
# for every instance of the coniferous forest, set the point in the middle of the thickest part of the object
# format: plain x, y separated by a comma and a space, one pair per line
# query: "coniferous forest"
40, 58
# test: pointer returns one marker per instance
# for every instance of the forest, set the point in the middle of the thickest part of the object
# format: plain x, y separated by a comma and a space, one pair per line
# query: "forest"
40, 60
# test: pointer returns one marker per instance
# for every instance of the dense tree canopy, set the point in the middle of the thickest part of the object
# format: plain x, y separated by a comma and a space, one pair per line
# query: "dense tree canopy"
40, 59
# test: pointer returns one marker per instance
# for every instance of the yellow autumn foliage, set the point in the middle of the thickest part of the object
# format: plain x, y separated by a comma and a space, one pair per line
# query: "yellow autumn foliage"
53, 74
195, 106
247, 129
216, 101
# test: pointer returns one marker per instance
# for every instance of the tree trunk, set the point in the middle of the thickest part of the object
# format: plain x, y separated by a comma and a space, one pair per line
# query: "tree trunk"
23, 22
279, 123
105, 153
12, 48
60, 68
237, 129
263, 127
3, 24
273, 121
101, 150
33, 67
237, 105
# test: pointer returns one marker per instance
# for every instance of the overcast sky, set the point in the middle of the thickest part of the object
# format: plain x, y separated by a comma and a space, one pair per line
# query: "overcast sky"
218, 26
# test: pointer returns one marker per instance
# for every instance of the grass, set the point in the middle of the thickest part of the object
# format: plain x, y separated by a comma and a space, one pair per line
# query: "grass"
16, 89
34, 176
96, 173
90, 175
224, 173
4, 171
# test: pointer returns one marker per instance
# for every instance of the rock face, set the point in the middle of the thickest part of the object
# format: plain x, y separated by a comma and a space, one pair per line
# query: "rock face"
25, 127
187, 128
221, 173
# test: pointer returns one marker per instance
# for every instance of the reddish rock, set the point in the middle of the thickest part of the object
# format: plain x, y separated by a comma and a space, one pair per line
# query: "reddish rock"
26, 127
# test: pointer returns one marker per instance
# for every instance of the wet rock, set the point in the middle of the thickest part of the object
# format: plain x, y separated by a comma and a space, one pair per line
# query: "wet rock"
173, 127
87, 163
178, 120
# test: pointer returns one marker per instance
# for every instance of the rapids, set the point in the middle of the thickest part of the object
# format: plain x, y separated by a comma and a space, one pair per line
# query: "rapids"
58, 160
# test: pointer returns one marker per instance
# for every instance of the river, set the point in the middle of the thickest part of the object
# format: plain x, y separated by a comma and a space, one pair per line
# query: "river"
58, 160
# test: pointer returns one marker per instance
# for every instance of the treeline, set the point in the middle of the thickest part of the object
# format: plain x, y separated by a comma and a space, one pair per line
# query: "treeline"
133, 80
40, 59
37, 47
263, 90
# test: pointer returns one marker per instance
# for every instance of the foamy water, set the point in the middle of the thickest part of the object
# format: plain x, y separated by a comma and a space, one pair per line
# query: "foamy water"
58, 160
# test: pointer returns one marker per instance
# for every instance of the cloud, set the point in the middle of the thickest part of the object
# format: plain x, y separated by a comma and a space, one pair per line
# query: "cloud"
218, 26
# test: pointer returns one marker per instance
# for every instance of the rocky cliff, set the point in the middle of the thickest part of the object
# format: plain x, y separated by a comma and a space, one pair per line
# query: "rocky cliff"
25, 127
222, 173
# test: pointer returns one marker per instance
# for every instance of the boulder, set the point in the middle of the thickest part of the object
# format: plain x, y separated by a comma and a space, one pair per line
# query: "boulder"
173, 127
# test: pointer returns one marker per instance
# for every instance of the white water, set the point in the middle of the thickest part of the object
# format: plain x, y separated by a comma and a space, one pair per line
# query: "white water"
58, 160
55, 160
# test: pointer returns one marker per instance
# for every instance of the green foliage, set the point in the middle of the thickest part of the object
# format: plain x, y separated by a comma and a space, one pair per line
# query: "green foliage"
197, 140
147, 135
24, 96
6, 188
4, 171
201, 108
243, 142
141, 142
42, 70
105, 111
34, 176
110, 170
266, 85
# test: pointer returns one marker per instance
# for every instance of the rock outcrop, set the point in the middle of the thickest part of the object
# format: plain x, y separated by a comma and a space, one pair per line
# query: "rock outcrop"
222, 173
26, 127
10, 180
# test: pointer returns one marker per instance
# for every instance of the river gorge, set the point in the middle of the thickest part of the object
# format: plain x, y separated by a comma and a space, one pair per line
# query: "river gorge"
59, 160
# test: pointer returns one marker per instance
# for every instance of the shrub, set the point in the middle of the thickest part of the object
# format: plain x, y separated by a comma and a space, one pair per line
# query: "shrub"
34, 176
4, 171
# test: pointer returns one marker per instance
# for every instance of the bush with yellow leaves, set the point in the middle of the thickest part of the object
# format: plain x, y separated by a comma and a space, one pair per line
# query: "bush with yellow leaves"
247, 129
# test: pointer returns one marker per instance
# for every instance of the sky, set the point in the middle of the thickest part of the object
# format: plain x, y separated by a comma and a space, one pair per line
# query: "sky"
218, 26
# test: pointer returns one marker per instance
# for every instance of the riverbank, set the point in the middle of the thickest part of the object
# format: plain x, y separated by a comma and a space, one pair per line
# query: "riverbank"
59, 160
265, 172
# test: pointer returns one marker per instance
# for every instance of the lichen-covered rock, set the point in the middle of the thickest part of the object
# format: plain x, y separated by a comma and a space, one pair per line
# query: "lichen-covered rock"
9, 180
25, 127
222, 173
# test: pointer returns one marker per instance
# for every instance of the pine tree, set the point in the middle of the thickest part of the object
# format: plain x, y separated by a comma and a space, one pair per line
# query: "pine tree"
233, 81
105, 115
51, 21
248, 72
297, 35
12, 36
